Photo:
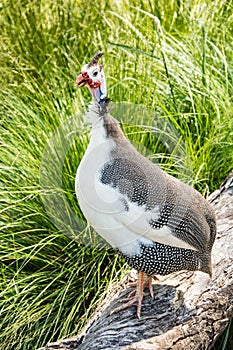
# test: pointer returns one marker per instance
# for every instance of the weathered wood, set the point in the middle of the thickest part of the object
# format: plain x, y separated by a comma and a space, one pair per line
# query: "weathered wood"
189, 310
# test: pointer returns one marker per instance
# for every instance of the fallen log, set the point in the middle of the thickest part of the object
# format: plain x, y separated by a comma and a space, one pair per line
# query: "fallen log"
189, 310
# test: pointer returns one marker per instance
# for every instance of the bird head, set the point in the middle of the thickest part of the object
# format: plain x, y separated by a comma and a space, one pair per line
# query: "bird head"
92, 75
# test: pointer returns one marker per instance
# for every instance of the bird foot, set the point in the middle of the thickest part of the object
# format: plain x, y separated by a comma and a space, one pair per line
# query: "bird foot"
136, 296
129, 302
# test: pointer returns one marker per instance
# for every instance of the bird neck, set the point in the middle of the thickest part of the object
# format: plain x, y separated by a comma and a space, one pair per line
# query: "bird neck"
97, 93
102, 122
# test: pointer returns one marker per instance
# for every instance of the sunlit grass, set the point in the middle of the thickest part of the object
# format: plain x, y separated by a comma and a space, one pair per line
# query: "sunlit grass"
171, 62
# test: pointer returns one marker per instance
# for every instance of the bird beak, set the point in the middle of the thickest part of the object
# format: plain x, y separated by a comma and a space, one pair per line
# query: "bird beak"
81, 80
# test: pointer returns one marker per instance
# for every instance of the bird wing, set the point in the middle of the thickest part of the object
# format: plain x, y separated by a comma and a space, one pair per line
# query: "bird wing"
137, 219
156, 206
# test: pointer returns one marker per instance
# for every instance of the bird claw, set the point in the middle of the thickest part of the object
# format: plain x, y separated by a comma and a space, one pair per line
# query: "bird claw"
130, 296
129, 303
136, 296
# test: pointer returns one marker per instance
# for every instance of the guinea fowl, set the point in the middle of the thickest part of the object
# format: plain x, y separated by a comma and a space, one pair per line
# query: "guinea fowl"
157, 223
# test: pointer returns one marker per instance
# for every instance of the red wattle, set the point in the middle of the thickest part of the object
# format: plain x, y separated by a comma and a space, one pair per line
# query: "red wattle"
90, 82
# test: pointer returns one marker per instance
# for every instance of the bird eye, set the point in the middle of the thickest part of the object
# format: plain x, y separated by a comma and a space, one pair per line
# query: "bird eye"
95, 74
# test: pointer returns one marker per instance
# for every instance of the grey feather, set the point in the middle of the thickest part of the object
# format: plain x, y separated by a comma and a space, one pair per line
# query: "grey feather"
182, 208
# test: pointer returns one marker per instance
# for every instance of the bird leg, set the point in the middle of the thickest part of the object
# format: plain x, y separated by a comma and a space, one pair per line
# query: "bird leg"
149, 281
136, 296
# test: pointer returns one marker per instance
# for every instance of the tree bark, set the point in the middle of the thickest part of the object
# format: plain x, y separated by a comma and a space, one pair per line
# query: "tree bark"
189, 310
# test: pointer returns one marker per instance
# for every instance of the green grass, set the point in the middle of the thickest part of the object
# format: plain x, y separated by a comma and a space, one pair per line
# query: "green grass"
174, 60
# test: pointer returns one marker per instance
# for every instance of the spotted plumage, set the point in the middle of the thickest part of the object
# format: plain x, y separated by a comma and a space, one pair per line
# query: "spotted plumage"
166, 259
156, 222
